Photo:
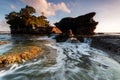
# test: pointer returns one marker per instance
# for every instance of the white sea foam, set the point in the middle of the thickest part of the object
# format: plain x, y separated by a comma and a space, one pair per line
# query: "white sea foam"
74, 61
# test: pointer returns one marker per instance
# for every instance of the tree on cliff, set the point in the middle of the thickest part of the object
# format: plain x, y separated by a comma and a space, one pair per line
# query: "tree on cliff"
24, 21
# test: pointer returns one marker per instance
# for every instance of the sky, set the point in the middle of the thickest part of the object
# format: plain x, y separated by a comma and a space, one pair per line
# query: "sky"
107, 11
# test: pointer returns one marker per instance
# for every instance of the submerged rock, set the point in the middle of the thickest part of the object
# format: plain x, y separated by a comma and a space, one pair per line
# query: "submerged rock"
18, 54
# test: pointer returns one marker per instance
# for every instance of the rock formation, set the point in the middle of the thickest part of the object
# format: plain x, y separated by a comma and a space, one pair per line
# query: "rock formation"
24, 22
81, 25
3, 42
18, 54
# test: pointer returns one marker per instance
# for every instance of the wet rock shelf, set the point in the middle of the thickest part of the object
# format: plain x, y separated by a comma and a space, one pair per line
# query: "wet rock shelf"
19, 54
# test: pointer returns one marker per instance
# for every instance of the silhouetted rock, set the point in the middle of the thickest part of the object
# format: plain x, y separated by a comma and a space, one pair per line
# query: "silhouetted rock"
81, 25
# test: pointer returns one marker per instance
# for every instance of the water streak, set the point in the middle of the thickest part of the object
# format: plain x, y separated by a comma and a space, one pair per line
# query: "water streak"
74, 61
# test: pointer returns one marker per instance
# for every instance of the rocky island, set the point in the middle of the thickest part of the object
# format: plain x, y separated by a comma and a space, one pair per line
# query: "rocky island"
24, 22
79, 27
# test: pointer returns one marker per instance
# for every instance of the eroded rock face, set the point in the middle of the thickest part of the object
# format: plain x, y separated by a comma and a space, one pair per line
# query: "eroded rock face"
81, 25
18, 54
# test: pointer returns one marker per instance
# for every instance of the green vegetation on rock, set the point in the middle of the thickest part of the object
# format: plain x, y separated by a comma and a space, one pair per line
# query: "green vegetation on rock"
25, 22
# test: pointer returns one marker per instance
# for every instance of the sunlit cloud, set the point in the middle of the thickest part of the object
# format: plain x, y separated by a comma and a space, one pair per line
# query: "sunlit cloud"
13, 6
48, 8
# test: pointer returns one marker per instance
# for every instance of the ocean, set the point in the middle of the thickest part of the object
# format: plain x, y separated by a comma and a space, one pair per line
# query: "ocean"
62, 61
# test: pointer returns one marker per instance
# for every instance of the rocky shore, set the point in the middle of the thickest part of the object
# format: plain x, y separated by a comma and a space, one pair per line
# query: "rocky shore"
19, 55
108, 43
3, 42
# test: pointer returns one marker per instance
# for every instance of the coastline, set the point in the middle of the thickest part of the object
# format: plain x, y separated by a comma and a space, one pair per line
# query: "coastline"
109, 43
37, 50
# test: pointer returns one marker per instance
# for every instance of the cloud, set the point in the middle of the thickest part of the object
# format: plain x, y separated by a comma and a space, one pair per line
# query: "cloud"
13, 6
48, 8
4, 26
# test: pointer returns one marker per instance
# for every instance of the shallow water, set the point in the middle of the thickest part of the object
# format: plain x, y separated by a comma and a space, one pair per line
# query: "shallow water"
73, 61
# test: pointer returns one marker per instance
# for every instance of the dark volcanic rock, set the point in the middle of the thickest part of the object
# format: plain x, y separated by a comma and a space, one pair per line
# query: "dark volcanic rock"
109, 43
81, 25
